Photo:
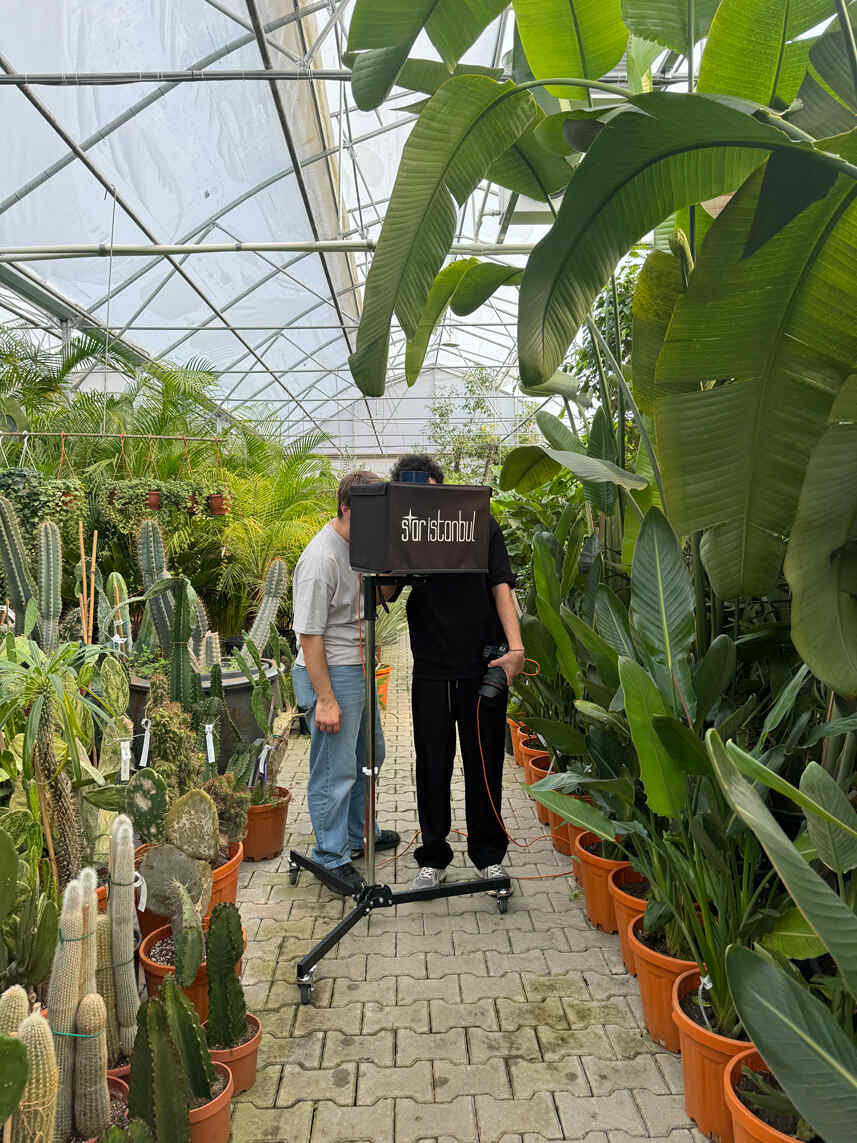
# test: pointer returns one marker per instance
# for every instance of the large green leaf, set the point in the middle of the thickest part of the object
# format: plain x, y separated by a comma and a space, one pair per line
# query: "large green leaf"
462, 128
600, 651
682, 149
443, 288
821, 561
561, 736
611, 619
428, 75
528, 169
526, 468
713, 674
383, 32
836, 848
829, 56
666, 21
601, 445
747, 50
813, 1059
662, 607
792, 936
683, 744
664, 781
778, 325
578, 812
580, 38
657, 289
830, 917
547, 606
538, 644
480, 282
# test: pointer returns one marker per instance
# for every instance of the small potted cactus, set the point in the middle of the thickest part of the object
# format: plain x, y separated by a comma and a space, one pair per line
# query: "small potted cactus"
233, 1033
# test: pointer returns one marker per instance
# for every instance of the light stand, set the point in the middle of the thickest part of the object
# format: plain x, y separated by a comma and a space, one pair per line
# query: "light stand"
374, 895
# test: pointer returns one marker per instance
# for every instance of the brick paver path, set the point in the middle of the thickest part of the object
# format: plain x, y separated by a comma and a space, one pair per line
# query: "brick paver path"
445, 1021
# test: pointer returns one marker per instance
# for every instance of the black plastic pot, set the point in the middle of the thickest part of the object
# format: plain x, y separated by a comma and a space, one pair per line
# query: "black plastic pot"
236, 692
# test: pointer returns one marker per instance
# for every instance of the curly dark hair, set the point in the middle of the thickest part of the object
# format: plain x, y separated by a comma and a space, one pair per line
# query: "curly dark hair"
417, 462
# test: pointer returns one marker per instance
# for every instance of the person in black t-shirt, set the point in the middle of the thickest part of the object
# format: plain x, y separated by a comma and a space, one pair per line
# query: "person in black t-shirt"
451, 619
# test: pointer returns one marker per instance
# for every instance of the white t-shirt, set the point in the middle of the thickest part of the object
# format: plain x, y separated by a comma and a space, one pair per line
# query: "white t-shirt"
326, 596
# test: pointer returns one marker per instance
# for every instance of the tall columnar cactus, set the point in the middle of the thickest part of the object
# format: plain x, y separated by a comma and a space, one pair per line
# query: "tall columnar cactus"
48, 582
189, 1037
14, 1008
91, 1098
89, 915
106, 986
199, 621
146, 803
210, 654
227, 1011
116, 591
153, 567
276, 580
19, 581
55, 787
35, 1117
187, 936
121, 911
181, 672
63, 999
158, 1091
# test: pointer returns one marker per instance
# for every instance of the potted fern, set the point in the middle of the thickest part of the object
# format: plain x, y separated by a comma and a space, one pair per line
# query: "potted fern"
233, 1033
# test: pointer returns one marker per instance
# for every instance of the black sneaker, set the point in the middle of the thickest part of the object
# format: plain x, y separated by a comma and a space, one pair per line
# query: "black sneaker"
386, 839
344, 880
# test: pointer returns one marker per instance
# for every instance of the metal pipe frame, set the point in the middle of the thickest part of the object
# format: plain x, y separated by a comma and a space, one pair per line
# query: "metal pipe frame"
165, 250
118, 78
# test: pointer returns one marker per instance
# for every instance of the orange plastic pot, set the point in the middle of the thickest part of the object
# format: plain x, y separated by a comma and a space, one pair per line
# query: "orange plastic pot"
656, 975
265, 828
540, 768
560, 834
704, 1058
241, 1061
197, 992
382, 681
626, 908
224, 887
747, 1127
519, 732
594, 875
210, 1123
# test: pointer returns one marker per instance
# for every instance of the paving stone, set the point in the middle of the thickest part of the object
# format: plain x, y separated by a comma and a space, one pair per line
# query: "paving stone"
612, 1075
414, 1016
460, 923
437, 988
339, 1049
614, 1112
440, 965
680, 1136
506, 1045
348, 991
412, 1046
531, 1014
417, 1121
375, 1083
279, 1125
336, 1084
670, 1067
382, 967
480, 987
453, 1080
497, 1117
346, 1019
263, 1093
476, 1014
581, 1013
352, 945
553, 940
407, 943
529, 1077
571, 985
629, 1042
557, 1044
333, 1124
662, 1113
501, 963
604, 985
481, 942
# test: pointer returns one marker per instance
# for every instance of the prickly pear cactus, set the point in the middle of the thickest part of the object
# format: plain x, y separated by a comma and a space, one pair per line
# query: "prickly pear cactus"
146, 803
134, 1132
115, 690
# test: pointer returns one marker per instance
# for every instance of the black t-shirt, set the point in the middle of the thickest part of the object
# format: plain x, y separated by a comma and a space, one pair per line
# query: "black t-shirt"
452, 617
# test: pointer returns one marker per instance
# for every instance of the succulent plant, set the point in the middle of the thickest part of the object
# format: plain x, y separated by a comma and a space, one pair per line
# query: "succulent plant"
116, 591
48, 583
14, 1008
146, 803
35, 1117
172, 750
28, 922
189, 1037
187, 936
134, 1132
121, 911
153, 567
19, 581
91, 1098
63, 999
276, 581
227, 1010
232, 804
106, 985
60, 805
13, 1069
89, 916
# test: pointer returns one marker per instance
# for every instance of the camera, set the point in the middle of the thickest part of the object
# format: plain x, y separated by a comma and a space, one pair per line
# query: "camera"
494, 684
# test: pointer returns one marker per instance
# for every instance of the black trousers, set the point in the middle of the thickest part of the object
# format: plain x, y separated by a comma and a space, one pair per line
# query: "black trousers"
439, 708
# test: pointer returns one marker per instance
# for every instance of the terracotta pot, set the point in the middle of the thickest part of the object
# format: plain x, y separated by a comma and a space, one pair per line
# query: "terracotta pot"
224, 887
656, 974
747, 1127
121, 1072
594, 873
210, 1123
241, 1060
217, 504
518, 732
192, 506
704, 1056
115, 1087
382, 681
540, 768
265, 828
626, 907
560, 834
153, 500
197, 992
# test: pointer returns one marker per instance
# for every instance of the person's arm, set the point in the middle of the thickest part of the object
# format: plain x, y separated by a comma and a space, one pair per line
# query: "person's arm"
328, 716
513, 661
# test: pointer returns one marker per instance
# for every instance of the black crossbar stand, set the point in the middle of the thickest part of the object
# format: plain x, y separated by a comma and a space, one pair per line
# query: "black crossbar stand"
374, 895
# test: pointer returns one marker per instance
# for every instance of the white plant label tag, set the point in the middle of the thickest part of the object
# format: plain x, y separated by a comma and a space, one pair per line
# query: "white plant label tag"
124, 759
142, 887
144, 754
262, 764
209, 741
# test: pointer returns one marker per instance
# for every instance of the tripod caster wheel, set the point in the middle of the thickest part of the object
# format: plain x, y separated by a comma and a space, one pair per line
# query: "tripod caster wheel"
502, 904
294, 874
306, 993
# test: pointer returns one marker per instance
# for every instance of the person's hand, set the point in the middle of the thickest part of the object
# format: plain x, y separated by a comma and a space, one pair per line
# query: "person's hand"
512, 663
328, 716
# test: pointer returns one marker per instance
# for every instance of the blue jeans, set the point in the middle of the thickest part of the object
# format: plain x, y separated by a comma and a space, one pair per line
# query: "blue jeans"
336, 792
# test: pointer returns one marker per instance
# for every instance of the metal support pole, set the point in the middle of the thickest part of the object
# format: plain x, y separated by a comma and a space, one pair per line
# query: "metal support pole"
370, 611
310, 246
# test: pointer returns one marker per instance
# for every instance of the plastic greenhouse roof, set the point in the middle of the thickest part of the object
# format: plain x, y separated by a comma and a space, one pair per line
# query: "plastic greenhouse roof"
177, 163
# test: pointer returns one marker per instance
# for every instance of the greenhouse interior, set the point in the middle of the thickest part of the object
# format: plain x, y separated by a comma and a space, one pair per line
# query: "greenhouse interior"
428, 571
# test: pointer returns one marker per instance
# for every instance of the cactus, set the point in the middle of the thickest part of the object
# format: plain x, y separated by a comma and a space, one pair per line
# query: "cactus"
61, 808
199, 622
115, 691
63, 999
121, 911
89, 914
189, 1037
227, 1011
153, 567
29, 919
173, 750
116, 591
232, 804
276, 579
34, 1121
243, 764
187, 936
13, 1069
158, 1090
106, 985
181, 671
91, 1098
210, 655
14, 1008
19, 581
159, 691
146, 803
48, 580
134, 1132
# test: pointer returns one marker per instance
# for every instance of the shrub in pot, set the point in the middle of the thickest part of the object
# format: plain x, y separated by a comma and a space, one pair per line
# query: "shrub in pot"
233, 1033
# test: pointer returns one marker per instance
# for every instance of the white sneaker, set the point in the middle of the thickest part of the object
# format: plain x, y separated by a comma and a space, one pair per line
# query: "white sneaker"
428, 878
496, 871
